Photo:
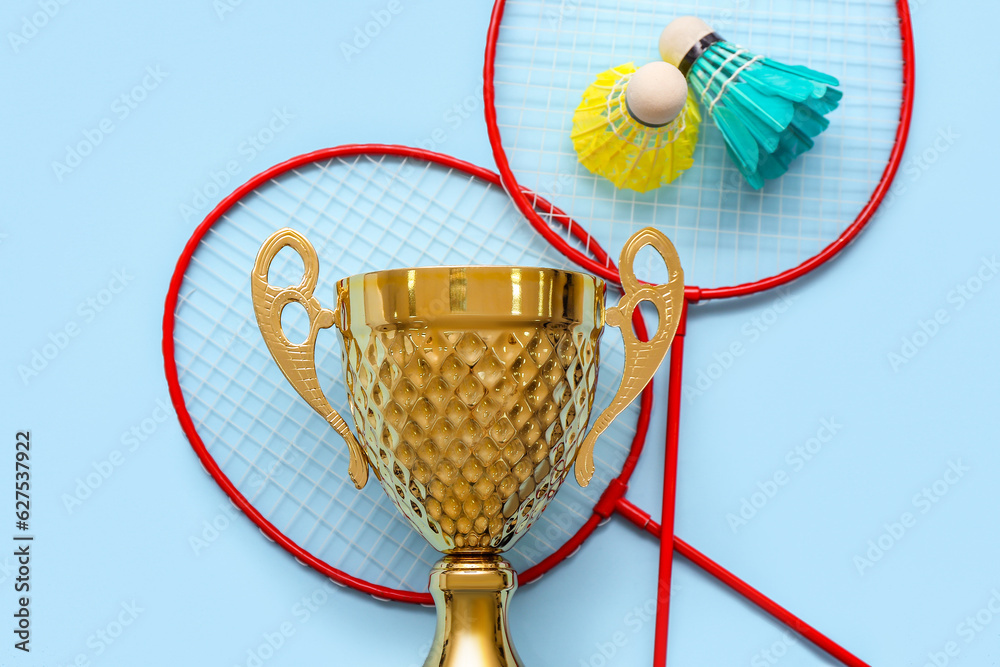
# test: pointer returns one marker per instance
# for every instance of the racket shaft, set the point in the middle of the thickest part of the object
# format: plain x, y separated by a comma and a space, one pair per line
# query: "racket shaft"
645, 522
665, 586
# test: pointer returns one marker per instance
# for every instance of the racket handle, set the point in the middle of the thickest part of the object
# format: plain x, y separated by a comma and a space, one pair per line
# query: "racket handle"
298, 361
641, 358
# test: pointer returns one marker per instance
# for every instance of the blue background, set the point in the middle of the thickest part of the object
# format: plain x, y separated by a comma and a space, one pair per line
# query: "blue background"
826, 357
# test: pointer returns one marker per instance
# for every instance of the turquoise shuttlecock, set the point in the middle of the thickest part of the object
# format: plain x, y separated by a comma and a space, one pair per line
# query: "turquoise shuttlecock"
768, 113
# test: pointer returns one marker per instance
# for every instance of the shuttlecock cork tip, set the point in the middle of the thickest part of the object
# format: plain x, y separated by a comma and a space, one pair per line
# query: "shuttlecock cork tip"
680, 36
656, 94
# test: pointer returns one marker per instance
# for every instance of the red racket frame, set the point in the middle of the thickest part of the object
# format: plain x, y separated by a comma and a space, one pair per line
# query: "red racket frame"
665, 532
213, 469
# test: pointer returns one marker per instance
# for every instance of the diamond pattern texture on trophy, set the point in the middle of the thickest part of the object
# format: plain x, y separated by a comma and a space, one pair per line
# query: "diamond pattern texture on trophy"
472, 428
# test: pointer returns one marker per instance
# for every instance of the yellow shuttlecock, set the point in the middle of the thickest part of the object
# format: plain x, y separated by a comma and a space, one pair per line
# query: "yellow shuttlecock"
637, 127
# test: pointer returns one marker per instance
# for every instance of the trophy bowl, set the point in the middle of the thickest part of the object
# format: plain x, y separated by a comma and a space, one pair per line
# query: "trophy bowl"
471, 389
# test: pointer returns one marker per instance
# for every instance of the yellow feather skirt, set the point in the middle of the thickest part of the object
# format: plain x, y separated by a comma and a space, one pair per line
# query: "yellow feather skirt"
612, 144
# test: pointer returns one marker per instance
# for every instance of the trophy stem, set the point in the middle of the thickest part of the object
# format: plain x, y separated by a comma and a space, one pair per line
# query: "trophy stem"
471, 592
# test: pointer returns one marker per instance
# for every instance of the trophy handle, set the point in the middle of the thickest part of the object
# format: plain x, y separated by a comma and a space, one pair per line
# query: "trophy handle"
641, 358
298, 361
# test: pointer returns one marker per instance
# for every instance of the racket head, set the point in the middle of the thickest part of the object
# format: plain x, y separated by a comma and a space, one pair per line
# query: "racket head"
733, 241
364, 207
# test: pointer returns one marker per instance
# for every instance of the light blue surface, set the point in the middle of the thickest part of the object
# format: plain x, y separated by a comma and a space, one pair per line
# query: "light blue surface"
825, 357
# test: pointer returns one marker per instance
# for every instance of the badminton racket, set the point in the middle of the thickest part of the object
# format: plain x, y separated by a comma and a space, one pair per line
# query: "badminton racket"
364, 207
733, 241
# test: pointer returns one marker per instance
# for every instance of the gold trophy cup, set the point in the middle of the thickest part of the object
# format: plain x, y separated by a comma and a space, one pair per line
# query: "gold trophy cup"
471, 388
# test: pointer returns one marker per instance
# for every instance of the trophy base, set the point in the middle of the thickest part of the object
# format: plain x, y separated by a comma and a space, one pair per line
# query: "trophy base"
471, 592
